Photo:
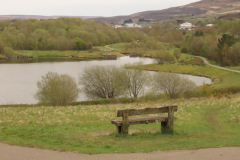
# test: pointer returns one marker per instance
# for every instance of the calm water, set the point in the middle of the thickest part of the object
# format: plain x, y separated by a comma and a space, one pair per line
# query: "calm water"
18, 78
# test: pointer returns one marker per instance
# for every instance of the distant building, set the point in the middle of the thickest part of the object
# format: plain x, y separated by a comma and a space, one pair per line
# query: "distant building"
132, 25
118, 26
209, 25
129, 25
186, 25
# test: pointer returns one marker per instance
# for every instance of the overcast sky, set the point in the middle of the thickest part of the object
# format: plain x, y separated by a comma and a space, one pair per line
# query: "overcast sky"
85, 7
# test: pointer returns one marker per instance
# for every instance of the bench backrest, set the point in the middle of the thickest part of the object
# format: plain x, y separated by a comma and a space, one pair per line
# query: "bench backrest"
141, 111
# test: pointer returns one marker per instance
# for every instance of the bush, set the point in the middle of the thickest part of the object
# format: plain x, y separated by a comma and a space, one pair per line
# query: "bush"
101, 82
190, 93
163, 56
9, 52
184, 50
171, 84
2, 45
135, 79
57, 89
177, 53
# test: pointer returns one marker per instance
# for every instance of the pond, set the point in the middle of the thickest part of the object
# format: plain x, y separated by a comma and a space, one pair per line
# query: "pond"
18, 78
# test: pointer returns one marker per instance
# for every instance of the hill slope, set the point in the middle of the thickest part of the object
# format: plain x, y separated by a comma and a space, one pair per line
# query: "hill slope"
203, 7
17, 17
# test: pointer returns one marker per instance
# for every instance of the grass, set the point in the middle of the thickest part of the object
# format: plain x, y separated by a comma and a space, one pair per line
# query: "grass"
118, 46
229, 67
201, 123
102, 48
70, 53
80, 54
222, 78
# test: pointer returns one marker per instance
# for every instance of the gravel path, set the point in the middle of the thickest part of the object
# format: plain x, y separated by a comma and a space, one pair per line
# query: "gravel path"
107, 46
8, 152
206, 62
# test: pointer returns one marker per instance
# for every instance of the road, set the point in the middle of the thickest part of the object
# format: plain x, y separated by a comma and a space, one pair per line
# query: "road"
8, 152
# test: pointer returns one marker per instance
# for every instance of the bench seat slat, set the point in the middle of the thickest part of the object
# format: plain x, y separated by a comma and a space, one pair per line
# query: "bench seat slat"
142, 120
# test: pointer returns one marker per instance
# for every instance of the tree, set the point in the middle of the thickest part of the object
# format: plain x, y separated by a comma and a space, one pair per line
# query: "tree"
9, 52
226, 39
134, 78
177, 53
2, 45
79, 44
163, 56
171, 84
128, 21
57, 89
224, 44
101, 82
198, 33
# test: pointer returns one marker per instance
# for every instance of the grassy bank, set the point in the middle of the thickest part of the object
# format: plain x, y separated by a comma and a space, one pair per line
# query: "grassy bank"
95, 53
78, 54
221, 77
201, 123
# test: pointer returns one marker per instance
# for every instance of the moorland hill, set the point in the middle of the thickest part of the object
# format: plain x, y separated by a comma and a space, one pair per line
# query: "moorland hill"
214, 8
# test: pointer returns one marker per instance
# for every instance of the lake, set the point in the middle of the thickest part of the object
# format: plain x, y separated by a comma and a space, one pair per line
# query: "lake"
18, 78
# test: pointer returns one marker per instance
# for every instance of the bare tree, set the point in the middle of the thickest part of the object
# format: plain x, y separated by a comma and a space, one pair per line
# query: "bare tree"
57, 89
135, 79
171, 84
101, 82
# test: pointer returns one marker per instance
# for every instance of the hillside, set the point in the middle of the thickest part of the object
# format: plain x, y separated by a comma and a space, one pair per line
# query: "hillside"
203, 7
230, 16
18, 17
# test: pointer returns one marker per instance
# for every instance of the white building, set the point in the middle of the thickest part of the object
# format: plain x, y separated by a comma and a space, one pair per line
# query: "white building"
118, 26
209, 25
186, 25
132, 25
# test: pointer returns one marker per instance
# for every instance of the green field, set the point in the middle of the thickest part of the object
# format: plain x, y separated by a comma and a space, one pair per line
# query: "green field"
40, 54
201, 123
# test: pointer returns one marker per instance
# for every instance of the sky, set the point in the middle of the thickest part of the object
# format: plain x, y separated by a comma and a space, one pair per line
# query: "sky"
105, 8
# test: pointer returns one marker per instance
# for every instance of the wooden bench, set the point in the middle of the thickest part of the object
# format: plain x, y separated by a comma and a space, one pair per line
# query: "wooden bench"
166, 120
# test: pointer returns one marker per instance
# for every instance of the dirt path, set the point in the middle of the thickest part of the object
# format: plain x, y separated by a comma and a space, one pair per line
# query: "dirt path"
107, 46
207, 63
8, 152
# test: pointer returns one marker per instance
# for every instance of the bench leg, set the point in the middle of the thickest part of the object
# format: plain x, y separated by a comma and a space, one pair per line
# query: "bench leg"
164, 127
125, 122
118, 129
167, 126
170, 119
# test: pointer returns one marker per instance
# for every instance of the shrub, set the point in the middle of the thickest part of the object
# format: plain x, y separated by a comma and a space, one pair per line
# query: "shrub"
101, 82
134, 79
9, 52
177, 53
57, 89
163, 56
171, 84
191, 93
184, 50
